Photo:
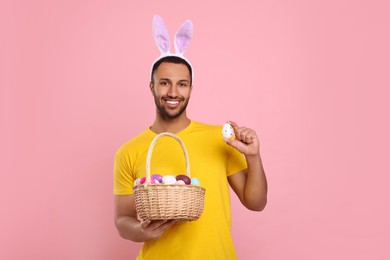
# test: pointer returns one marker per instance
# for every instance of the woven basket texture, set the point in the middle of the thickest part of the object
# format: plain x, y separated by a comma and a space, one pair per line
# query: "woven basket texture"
168, 201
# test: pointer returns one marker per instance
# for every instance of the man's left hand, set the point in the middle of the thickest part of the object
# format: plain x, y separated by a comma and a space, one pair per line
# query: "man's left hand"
245, 140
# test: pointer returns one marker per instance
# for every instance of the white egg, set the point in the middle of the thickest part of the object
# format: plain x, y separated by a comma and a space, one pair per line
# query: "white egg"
169, 179
137, 182
227, 131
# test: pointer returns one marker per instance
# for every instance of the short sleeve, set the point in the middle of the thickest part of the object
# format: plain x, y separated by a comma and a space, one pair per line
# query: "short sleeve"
236, 161
123, 176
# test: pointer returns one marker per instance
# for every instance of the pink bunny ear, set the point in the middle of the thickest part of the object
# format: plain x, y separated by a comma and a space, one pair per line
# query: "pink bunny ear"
183, 37
160, 34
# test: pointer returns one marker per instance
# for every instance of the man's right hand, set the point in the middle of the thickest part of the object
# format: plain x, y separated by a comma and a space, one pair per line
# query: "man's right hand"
153, 230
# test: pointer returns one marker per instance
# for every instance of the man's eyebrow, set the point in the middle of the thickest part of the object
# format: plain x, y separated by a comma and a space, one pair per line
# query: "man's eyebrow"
181, 80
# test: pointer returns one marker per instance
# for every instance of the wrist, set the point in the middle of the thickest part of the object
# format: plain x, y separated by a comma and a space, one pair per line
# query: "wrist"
252, 157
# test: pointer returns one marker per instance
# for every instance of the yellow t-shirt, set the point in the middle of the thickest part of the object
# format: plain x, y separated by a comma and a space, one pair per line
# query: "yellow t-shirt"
211, 161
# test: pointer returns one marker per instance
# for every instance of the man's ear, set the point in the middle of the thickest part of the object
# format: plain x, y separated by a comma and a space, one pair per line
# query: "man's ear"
151, 86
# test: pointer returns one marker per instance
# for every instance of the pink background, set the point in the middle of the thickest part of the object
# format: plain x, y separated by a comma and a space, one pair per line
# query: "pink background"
312, 77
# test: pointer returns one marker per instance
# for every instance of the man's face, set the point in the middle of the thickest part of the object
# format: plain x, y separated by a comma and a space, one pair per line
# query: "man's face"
171, 89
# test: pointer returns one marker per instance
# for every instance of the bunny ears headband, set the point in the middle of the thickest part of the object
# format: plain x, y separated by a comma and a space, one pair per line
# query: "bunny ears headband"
182, 39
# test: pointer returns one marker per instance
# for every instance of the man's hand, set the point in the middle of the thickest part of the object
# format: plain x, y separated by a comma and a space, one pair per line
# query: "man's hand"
245, 141
154, 230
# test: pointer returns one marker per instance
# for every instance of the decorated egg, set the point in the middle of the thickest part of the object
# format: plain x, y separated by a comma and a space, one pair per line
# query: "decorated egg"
157, 177
142, 180
137, 182
184, 178
154, 181
180, 182
195, 181
169, 179
227, 131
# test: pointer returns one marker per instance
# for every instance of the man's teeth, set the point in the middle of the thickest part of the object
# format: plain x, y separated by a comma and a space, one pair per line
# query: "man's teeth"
173, 102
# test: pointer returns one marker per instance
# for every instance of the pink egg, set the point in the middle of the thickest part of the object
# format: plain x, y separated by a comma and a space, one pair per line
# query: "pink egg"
142, 181
185, 178
180, 182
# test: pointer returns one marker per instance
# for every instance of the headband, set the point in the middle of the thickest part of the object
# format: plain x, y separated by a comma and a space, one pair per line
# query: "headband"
182, 39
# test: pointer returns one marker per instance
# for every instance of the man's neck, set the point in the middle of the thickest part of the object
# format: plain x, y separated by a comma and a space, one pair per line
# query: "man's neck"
173, 126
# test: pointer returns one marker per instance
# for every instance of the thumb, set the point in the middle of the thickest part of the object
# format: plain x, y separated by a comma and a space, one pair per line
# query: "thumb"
231, 142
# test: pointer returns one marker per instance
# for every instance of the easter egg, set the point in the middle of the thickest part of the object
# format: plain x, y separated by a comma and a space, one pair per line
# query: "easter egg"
180, 182
227, 131
195, 181
142, 180
169, 179
157, 177
183, 178
137, 182
154, 181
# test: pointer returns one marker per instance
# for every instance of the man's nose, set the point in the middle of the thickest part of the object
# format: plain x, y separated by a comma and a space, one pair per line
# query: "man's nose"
172, 91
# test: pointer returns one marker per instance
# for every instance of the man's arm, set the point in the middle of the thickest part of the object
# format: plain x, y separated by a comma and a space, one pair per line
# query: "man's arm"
129, 227
250, 185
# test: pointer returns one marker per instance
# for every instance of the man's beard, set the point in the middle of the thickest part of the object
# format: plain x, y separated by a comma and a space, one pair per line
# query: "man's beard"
165, 114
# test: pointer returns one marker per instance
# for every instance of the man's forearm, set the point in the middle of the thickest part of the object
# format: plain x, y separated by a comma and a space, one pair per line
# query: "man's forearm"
130, 228
256, 184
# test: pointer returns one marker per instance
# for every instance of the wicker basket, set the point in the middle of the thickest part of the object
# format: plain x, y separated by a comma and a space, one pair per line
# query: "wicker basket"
168, 201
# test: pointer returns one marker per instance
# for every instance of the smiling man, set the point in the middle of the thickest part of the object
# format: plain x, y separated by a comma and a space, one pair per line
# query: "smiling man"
171, 87
215, 161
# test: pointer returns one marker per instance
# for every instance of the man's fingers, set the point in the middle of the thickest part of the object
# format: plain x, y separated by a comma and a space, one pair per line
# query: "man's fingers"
233, 124
145, 223
154, 229
156, 225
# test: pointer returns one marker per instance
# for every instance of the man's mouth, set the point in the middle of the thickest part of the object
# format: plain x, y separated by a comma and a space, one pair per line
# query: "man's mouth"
172, 103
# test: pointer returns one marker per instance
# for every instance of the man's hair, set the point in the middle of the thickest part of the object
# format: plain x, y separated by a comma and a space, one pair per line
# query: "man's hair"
171, 59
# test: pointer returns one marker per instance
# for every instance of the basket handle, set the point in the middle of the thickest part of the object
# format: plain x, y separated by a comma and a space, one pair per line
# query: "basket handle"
151, 147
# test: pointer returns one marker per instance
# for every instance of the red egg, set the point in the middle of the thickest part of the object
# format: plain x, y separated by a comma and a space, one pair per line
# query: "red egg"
185, 178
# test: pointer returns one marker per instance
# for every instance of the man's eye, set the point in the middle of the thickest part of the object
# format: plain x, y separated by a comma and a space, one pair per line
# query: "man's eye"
183, 85
163, 83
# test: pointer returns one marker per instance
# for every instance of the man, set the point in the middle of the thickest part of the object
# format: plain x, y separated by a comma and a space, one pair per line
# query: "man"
214, 161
